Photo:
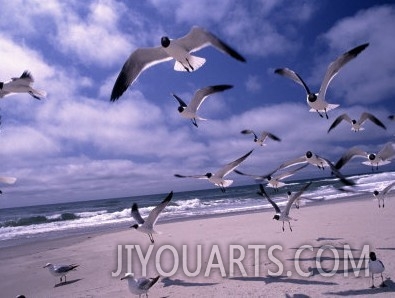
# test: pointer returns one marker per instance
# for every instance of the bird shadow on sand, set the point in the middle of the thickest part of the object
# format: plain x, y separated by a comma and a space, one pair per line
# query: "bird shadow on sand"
178, 282
327, 238
284, 279
65, 283
390, 288
385, 248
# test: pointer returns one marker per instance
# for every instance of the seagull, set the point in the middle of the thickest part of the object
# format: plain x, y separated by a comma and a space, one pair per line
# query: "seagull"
23, 84
380, 195
147, 226
189, 111
283, 215
356, 125
264, 135
139, 286
178, 49
217, 178
297, 201
381, 158
317, 101
318, 161
273, 181
375, 266
7, 180
60, 270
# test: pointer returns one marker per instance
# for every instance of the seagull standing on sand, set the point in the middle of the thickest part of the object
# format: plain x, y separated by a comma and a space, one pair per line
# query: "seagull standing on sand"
356, 125
217, 178
147, 226
23, 84
60, 270
139, 286
178, 49
273, 180
380, 195
189, 111
375, 266
283, 215
381, 158
317, 101
263, 137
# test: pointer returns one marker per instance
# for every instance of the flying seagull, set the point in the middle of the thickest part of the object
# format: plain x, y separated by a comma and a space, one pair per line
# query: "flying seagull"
273, 181
284, 214
380, 195
317, 101
189, 111
356, 125
263, 137
178, 49
381, 158
23, 84
147, 226
297, 201
318, 161
375, 266
60, 270
139, 286
217, 178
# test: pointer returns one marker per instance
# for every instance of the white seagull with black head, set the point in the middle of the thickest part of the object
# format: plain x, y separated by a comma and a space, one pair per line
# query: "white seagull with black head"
356, 125
375, 266
23, 84
178, 49
139, 286
380, 195
263, 137
272, 180
147, 226
217, 178
284, 214
190, 111
381, 158
317, 101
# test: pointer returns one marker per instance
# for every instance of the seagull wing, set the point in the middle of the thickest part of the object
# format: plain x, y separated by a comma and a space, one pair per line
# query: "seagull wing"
136, 214
354, 151
269, 135
388, 188
295, 161
387, 151
191, 176
289, 173
199, 38
153, 216
4, 93
263, 193
335, 66
256, 177
7, 180
286, 72
231, 166
367, 116
65, 268
180, 101
337, 173
201, 94
249, 131
137, 62
292, 199
146, 283
27, 77
338, 120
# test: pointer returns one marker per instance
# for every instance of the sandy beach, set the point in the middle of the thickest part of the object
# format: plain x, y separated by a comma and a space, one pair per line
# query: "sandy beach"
245, 255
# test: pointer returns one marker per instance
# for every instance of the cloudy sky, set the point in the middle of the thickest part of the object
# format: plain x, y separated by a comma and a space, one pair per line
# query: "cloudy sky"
77, 145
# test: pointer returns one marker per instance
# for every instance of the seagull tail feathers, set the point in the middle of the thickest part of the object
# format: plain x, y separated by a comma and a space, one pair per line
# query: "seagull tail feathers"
195, 63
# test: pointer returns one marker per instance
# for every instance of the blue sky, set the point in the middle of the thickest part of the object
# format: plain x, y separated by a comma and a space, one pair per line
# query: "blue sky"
77, 145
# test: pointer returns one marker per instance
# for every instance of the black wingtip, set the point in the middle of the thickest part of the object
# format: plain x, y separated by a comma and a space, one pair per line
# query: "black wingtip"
134, 207
120, 87
168, 198
355, 51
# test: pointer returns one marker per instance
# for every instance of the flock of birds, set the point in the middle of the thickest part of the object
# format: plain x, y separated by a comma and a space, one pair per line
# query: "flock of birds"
180, 50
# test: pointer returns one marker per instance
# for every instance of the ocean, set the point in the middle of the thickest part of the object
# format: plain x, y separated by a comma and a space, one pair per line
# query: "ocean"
22, 224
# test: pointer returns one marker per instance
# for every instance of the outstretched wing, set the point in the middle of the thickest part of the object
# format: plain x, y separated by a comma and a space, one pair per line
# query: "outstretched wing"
153, 216
354, 151
136, 214
388, 188
201, 94
338, 120
231, 166
180, 101
292, 199
367, 116
335, 66
295, 161
263, 193
387, 151
286, 72
137, 62
199, 38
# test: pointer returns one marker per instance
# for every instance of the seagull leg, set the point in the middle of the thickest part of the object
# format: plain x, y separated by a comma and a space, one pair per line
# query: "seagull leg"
283, 227
194, 122
320, 114
151, 238
326, 114
372, 286
382, 285
289, 223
